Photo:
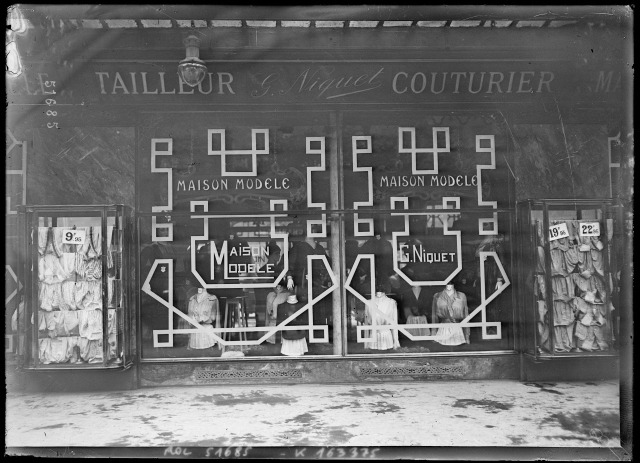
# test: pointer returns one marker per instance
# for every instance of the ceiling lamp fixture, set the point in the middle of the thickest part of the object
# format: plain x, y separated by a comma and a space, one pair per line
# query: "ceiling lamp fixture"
192, 69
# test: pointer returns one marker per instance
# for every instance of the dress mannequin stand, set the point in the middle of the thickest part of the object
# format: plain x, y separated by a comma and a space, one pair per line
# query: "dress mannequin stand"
382, 310
204, 308
450, 306
294, 342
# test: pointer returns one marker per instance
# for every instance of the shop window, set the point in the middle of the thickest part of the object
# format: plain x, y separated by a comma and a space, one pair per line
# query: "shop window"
229, 286
424, 201
428, 283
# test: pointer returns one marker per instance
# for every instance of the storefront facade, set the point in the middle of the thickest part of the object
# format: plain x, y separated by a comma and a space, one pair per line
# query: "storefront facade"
349, 198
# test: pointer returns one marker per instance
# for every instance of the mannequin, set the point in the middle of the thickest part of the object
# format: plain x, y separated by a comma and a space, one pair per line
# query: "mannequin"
382, 310
294, 342
204, 308
450, 306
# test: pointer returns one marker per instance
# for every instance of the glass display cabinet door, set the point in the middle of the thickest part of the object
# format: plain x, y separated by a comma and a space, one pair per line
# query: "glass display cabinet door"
76, 314
572, 277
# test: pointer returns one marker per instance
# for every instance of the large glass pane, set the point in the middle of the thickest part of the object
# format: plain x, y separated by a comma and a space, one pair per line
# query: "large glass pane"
234, 285
427, 283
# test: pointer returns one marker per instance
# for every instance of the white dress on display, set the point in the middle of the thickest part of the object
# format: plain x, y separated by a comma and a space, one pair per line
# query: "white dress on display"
382, 310
204, 308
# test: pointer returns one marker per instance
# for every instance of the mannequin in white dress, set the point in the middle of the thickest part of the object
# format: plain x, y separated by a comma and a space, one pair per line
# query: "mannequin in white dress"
204, 308
382, 310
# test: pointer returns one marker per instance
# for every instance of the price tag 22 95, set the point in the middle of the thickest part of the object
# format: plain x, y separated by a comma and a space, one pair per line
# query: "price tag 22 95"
558, 231
73, 236
589, 229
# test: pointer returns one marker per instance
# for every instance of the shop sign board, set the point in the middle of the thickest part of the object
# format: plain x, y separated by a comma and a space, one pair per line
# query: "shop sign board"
317, 82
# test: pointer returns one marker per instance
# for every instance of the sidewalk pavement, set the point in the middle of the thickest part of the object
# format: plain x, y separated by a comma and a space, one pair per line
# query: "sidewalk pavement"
485, 414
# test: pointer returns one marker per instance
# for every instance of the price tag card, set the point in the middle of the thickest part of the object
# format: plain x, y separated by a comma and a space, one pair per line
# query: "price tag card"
74, 236
558, 231
589, 229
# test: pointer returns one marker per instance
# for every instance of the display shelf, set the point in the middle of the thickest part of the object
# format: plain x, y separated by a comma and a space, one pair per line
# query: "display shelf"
568, 275
75, 268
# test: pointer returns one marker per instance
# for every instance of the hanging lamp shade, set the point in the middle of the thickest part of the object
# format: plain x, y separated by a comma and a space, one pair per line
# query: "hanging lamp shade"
192, 69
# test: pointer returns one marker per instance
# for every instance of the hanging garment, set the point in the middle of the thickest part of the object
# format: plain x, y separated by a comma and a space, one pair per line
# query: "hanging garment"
50, 269
50, 323
43, 239
50, 295
541, 286
543, 326
558, 263
540, 232
59, 350
44, 350
110, 291
59, 325
573, 226
68, 264
90, 350
418, 320
71, 323
94, 237
42, 323
89, 295
57, 235
73, 354
572, 258
598, 263
560, 288
93, 269
47, 237
204, 309
274, 299
84, 248
562, 313
540, 261
450, 309
382, 311
90, 324
584, 284
561, 244
67, 290
80, 291
109, 251
590, 329
563, 335
80, 265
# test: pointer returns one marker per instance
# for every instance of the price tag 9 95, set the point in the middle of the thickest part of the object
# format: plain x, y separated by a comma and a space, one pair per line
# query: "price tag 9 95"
74, 236
558, 231
589, 229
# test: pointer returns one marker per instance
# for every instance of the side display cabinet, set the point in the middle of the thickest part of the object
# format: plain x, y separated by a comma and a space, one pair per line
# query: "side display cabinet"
76, 269
569, 285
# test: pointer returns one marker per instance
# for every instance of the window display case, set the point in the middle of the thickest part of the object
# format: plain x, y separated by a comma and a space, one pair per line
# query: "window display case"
76, 269
569, 277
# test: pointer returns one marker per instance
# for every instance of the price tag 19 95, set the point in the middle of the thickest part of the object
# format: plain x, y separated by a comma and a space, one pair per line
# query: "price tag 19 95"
74, 236
589, 229
558, 231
